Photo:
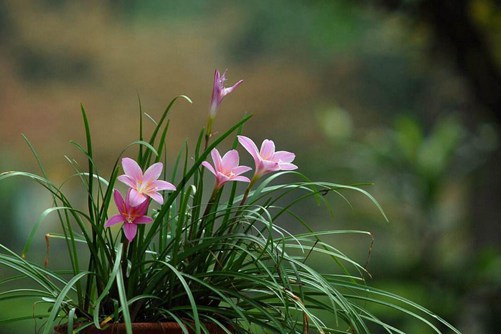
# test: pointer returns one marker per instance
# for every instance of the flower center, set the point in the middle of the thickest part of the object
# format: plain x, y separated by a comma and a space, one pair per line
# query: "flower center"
130, 218
267, 157
143, 187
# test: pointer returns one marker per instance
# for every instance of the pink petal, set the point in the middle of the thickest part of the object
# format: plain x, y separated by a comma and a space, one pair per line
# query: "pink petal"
209, 167
230, 160
141, 209
240, 178
163, 185
228, 90
157, 197
114, 220
240, 170
127, 180
221, 179
284, 156
130, 231
153, 172
216, 157
217, 87
249, 145
119, 201
222, 77
267, 149
217, 77
269, 166
287, 166
143, 220
132, 169
135, 198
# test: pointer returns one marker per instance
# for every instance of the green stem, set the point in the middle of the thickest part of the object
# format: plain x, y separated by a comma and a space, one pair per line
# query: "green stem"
208, 131
208, 209
246, 195
124, 261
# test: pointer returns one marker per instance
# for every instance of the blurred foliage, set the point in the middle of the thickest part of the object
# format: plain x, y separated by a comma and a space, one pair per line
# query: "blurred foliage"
424, 180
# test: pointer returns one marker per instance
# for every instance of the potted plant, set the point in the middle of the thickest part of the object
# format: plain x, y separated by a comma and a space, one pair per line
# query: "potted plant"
203, 248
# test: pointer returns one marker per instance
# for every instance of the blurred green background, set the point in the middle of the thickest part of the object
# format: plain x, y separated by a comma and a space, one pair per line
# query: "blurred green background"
402, 93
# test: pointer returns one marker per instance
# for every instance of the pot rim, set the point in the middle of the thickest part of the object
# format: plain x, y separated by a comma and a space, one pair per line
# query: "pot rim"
169, 327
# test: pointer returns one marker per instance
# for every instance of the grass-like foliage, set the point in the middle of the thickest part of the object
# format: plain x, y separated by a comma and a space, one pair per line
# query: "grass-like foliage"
199, 254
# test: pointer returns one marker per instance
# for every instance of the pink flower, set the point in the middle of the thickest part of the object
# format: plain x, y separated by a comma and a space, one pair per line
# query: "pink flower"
129, 215
266, 159
226, 168
219, 91
144, 185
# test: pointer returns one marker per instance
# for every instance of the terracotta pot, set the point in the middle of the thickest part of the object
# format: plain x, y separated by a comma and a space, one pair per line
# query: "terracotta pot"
141, 328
